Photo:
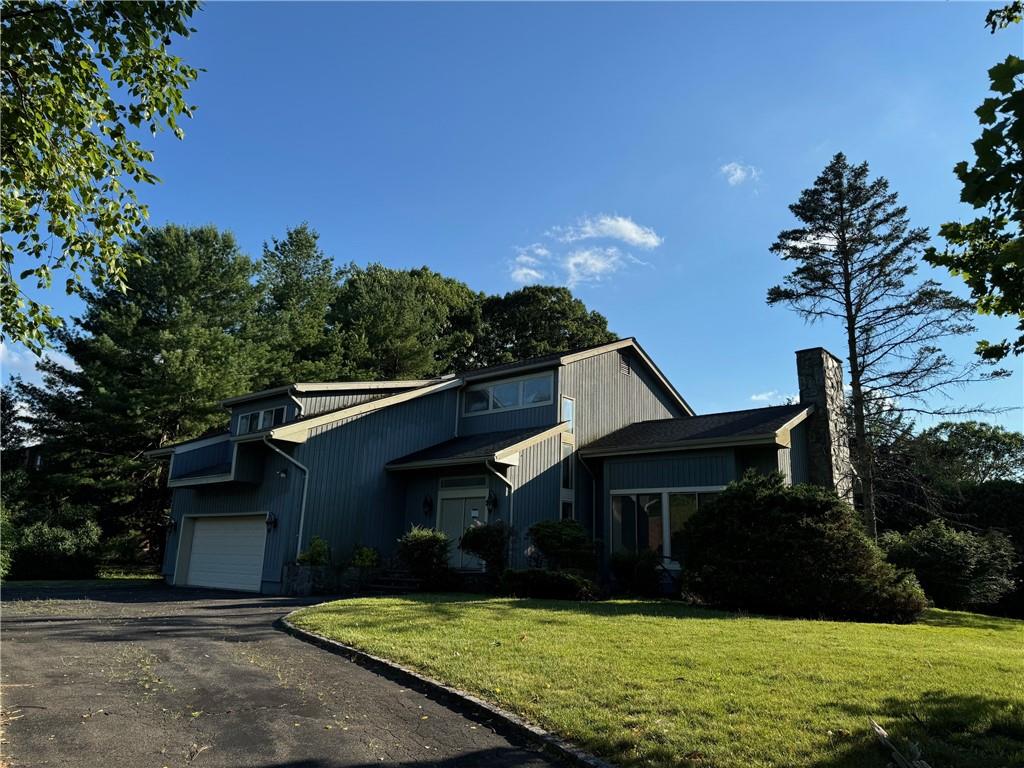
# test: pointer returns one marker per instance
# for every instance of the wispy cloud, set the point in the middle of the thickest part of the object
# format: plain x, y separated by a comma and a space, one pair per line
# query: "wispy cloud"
17, 361
738, 173
606, 227
764, 397
568, 257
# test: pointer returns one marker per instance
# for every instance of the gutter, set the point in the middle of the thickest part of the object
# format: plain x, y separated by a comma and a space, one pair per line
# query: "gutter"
305, 488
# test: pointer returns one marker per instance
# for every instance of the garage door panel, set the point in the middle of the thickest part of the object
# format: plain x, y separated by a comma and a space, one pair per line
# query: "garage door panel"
227, 552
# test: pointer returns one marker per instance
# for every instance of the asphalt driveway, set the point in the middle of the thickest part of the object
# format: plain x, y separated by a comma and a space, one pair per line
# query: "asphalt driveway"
159, 677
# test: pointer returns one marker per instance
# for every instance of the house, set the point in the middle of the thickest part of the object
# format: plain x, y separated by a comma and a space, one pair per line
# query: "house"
598, 435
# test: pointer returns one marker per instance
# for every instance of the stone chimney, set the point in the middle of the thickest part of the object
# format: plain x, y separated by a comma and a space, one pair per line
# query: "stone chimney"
820, 374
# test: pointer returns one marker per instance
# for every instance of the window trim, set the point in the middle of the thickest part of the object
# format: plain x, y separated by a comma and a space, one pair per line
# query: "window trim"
666, 523
561, 413
487, 386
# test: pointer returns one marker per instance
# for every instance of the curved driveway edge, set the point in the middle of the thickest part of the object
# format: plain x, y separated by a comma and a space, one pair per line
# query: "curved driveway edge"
406, 676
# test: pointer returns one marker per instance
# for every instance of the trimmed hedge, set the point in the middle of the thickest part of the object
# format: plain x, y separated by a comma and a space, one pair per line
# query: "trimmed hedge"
424, 551
793, 551
958, 569
548, 585
563, 544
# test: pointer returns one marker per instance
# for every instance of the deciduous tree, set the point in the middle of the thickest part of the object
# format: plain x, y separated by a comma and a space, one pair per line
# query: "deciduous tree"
80, 83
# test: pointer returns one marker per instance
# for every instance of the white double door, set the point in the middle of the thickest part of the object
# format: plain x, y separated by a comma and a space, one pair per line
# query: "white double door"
456, 515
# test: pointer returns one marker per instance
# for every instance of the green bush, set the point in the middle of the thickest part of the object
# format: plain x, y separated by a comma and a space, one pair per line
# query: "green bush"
319, 553
548, 585
64, 546
958, 569
563, 544
638, 574
424, 551
490, 543
364, 557
794, 551
6, 541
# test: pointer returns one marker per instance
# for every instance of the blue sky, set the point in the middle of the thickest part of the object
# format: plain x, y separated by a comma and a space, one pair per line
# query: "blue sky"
644, 154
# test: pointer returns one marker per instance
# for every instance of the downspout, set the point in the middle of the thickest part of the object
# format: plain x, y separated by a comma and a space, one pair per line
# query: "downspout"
305, 488
511, 496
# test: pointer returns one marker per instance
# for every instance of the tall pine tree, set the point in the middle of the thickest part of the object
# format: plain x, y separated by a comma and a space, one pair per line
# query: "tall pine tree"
149, 368
855, 257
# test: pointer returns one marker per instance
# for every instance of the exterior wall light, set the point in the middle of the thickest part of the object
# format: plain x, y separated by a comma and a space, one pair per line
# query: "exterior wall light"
271, 521
428, 506
492, 502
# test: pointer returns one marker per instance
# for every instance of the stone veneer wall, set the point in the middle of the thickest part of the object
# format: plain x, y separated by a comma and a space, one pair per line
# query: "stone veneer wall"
820, 375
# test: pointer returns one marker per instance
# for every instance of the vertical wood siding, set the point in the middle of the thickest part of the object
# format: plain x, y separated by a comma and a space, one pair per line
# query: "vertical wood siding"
322, 402
523, 418
536, 480
798, 454
670, 470
607, 400
353, 499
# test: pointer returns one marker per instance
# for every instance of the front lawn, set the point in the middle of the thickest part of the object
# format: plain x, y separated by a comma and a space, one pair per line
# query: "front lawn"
651, 683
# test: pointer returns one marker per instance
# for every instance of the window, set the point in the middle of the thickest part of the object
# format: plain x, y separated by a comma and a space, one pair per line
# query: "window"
567, 467
649, 520
567, 511
258, 420
527, 392
568, 409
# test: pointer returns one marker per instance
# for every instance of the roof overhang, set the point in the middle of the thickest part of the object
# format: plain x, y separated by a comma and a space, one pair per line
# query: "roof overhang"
508, 456
781, 438
188, 445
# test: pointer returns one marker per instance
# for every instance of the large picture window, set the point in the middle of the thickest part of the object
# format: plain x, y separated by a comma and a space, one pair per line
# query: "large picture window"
508, 395
647, 520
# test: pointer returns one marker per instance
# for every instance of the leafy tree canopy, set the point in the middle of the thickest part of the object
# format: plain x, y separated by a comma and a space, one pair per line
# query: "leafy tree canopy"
77, 80
988, 252
538, 320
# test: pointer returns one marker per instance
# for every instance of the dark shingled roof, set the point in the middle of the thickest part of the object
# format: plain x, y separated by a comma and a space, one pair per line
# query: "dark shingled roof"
666, 433
469, 448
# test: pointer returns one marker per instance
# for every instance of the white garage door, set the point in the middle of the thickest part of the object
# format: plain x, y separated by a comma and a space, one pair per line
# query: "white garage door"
227, 552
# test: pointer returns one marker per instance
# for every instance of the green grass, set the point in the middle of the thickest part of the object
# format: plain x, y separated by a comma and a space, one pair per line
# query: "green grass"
652, 683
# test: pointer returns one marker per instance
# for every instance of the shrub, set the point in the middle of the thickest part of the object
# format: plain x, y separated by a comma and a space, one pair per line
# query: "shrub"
364, 557
6, 542
490, 543
958, 569
319, 553
796, 551
563, 544
424, 551
63, 546
640, 574
549, 585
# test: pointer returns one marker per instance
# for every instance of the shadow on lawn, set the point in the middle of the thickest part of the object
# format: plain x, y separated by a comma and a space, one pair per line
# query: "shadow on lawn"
949, 730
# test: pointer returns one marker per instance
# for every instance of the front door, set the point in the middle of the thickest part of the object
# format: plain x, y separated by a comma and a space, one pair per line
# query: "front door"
456, 516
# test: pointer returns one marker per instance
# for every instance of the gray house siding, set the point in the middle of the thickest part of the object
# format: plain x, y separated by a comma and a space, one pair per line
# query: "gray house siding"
798, 454
353, 500
322, 402
276, 495
607, 400
536, 482
670, 470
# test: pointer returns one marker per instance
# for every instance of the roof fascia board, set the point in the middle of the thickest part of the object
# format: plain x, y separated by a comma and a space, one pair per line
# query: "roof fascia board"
298, 432
342, 386
768, 438
522, 445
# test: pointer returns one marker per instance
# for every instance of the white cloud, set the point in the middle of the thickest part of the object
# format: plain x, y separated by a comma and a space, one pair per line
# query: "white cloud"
17, 361
528, 265
592, 265
605, 227
764, 397
738, 173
